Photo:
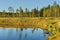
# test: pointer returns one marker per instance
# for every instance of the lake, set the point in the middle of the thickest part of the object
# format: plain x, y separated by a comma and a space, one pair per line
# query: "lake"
22, 34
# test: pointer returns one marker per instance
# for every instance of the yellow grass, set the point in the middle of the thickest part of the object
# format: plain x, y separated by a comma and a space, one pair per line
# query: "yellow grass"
24, 22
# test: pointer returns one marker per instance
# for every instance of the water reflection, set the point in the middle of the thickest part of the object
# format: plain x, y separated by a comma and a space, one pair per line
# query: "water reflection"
25, 35
33, 30
17, 29
22, 34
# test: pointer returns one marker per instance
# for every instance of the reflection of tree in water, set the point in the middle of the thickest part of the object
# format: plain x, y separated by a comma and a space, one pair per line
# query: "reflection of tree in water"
25, 28
25, 33
20, 34
33, 30
21, 29
37, 29
10, 32
16, 29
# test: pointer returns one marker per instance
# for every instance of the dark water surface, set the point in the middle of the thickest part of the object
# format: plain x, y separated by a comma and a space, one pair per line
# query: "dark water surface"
22, 34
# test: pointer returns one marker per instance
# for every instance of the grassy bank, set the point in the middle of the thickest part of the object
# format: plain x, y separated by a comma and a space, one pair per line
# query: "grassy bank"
25, 22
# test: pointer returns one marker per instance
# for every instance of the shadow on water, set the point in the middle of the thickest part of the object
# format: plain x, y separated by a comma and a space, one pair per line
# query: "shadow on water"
20, 34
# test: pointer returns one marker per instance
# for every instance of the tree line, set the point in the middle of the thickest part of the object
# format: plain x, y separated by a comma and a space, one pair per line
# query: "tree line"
49, 11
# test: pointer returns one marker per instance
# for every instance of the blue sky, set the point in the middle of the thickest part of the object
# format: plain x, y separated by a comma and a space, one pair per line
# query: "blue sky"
30, 4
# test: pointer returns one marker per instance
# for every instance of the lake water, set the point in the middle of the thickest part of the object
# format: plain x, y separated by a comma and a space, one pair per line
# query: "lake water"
22, 34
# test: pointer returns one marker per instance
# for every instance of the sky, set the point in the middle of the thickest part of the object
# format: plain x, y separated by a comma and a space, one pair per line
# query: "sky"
30, 4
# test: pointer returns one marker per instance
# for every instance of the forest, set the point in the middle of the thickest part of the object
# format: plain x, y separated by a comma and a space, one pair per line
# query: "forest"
49, 11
